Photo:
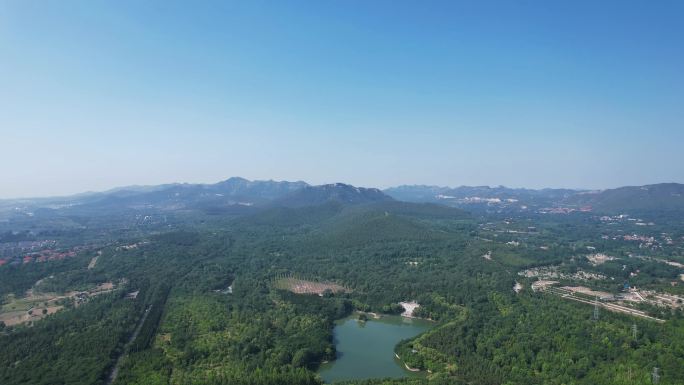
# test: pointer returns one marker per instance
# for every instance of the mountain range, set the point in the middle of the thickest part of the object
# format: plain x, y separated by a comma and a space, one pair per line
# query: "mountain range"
630, 199
240, 195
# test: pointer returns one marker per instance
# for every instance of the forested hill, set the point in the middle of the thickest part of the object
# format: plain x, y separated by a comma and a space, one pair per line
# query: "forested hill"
655, 197
337, 192
334, 216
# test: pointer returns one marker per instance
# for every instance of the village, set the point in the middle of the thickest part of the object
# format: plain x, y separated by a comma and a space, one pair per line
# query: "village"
37, 252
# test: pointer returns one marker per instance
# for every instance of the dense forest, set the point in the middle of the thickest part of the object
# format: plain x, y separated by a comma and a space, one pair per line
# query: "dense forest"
206, 310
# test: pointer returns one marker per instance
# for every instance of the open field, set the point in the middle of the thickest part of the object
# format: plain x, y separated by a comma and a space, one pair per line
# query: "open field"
542, 284
16, 310
588, 293
19, 317
301, 286
30, 307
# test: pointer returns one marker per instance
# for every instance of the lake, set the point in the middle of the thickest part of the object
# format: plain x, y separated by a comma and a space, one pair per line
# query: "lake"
366, 350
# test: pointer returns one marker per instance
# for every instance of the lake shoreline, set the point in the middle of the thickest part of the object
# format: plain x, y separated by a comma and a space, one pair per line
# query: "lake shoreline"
367, 349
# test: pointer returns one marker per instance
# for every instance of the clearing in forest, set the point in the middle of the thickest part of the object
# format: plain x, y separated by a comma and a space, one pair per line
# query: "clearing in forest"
37, 305
303, 286
93, 261
409, 307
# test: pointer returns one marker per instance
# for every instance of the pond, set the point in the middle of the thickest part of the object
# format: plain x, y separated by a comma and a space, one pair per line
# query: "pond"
366, 349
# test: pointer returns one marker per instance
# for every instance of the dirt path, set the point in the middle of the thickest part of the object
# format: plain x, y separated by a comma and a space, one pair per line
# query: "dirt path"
115, 370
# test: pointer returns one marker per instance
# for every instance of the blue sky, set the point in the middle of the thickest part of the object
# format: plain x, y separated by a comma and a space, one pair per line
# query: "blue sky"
98, 94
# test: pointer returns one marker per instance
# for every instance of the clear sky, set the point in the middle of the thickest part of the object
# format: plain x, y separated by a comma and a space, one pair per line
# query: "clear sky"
98, 94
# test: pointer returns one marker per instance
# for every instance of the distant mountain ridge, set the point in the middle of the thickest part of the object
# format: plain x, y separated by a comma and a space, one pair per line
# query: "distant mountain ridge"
338, 192
482, 198
238, 195
233, 191
442, 194
662, 196
233, 195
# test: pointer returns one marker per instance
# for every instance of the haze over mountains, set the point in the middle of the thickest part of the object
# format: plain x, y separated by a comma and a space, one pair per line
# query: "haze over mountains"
242, 195
662, 196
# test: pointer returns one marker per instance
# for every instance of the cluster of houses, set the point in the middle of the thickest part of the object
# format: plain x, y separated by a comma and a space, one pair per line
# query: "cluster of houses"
30, 253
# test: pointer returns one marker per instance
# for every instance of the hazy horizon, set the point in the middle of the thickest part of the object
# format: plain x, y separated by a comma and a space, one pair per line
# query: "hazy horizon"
106, 189
99, 95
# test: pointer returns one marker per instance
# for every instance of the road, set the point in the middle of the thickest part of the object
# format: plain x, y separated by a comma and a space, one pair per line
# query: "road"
122, 355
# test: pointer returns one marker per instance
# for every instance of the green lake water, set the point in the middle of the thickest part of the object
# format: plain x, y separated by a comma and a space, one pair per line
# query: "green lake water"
366, 350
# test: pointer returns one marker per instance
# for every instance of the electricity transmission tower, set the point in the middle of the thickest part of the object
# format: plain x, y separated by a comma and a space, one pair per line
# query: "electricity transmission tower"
655, 376
634, 331
596, 309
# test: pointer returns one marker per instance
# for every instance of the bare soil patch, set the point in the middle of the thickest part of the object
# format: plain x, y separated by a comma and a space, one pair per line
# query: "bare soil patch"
301, 286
